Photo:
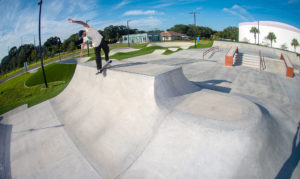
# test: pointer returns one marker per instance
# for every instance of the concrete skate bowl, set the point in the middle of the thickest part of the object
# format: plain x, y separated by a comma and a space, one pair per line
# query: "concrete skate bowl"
146, 121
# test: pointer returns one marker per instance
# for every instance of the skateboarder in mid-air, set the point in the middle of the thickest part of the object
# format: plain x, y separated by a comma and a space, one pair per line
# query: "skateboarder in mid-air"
97, 40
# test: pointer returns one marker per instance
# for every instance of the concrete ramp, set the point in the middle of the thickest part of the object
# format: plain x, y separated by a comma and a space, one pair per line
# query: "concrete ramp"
110, 118
75, 60
40, 147
139, 120
158, 52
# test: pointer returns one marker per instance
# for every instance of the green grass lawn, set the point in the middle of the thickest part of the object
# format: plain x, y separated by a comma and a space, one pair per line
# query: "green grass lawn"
168, 52
14, 93
142, 51
203, 44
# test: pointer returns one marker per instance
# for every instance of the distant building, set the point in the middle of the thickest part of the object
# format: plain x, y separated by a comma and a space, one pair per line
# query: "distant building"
284, 33
141, 38
171, 35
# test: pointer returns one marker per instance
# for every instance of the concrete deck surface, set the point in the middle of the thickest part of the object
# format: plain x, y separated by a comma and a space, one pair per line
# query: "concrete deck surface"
158, 116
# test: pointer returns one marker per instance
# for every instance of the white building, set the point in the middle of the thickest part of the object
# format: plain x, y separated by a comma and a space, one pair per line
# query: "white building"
284, 34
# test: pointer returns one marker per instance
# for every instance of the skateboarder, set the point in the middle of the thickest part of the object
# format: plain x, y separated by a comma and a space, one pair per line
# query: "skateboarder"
97, 40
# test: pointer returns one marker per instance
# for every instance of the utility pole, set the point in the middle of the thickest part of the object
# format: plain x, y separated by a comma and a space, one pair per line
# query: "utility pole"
41, 53
195, 25
128, 32
258, 32
88, 42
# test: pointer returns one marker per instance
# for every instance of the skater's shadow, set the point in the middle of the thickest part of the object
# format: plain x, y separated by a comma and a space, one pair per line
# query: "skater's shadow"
120, 66
290, 165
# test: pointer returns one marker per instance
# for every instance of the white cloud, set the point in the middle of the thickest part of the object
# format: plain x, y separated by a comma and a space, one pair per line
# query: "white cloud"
163, 5
240, 12
122, 4
146, 23
140, 12
21, 20
293, 1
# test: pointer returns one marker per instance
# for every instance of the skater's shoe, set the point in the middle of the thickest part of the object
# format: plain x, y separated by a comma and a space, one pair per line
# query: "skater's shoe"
108, 61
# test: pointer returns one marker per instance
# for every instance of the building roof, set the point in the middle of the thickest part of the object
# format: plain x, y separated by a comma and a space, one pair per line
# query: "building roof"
171, 33
272, 24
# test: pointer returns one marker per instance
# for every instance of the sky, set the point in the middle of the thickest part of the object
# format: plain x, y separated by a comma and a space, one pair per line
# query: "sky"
19, 18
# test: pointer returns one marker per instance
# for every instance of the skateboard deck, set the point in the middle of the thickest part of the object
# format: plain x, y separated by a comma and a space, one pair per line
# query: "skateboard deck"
104, 67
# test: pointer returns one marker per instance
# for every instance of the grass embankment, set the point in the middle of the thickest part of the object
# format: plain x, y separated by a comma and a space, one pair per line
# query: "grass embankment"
168, 52
30, 89
38, 63
142, 51
203, 44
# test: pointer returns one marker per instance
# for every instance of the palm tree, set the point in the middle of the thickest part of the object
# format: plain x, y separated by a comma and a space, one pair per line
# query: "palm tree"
295, 43
272, 37
254, 30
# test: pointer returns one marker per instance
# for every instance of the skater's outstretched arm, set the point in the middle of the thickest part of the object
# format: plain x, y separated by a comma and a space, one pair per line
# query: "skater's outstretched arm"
79, 22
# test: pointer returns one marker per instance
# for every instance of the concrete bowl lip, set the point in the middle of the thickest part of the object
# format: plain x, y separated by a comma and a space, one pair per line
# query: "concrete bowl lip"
249, 121
253, 117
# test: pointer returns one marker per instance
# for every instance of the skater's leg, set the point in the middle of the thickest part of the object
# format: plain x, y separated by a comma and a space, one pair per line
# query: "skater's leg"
105, 48
98, 57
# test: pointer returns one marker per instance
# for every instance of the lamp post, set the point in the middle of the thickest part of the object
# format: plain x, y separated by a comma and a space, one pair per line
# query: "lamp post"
41, 54
258, 32
128, 32
194, 13
87, 43
59, 42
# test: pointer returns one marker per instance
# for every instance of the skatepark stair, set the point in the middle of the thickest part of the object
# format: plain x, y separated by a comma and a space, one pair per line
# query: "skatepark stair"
247, 60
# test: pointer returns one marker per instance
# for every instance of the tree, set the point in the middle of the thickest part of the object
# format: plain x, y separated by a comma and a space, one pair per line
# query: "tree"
71, 46
254, 30
180, 28
231, 33
73, 38
272, 37
114, 33
295, 43
52, 44
284, 46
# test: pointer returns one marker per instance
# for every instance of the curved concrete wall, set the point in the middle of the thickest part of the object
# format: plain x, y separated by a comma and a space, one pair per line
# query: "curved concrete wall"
284, 33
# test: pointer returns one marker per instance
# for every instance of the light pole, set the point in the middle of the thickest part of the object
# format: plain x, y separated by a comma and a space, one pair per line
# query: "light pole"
258, 32
194, 25
128, 32
59, 42
41, 54
87, 43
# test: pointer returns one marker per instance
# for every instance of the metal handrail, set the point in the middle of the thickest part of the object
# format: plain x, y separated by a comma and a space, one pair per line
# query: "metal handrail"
260, 61
209, 50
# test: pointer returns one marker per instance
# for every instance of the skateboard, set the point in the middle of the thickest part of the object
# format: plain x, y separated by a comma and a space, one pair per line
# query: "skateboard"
104, 67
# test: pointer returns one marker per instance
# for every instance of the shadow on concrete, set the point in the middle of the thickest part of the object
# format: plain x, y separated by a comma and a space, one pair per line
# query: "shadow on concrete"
239, 59
290, 165
264, 111
5, 137
125, 65
32, 129
1, 118
212, 85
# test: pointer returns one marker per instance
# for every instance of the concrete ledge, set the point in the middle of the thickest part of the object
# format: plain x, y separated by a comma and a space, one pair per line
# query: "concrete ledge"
229, 56
288, 65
